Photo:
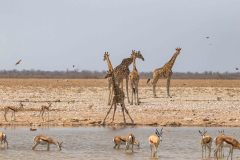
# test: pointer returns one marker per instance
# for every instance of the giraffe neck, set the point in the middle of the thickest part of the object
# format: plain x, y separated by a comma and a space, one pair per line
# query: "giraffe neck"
134, 64
127, 61
110, 67
115, 86
172, 60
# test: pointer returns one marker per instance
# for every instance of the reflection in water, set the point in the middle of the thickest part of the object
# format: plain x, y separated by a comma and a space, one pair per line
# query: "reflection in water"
96, 143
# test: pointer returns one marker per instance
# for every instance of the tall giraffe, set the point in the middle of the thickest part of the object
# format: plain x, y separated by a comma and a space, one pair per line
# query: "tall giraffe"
118, 94
165, 72
134, 78
121, 72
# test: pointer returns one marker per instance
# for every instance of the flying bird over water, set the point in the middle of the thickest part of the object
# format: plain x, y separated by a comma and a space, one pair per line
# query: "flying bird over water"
73, 66
236, 69
18, 62
207, 37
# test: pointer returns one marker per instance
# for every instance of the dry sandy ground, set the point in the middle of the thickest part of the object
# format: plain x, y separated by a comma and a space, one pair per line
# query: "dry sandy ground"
84, 102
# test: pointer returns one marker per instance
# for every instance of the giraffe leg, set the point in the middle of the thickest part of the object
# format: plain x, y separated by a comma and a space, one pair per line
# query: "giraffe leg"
124, 119
123, 105
132, 94
135, 94
137, 103
154, 91
115, 107
109, 91
127, 89
168, 85
108, 113
154, 83
111, 95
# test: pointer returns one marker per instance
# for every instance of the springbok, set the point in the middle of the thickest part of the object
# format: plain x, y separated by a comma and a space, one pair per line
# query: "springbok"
13, 109
206, 142
44, 109
3, 139
127, 140
45, 140
229, 140
220, 152
154, 141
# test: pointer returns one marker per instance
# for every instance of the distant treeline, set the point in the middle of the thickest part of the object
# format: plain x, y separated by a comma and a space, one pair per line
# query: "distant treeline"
85, 74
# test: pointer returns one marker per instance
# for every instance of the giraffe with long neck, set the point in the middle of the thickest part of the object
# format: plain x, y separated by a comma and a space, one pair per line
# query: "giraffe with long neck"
165, 72
134, 78
118, 94
121, 72
110, 67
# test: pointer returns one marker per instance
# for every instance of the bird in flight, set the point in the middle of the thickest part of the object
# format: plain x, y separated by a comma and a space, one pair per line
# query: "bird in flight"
207, 37
73, 66
236, 69
18, 62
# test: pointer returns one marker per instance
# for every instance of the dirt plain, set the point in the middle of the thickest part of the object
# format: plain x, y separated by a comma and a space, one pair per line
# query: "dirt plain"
82, 102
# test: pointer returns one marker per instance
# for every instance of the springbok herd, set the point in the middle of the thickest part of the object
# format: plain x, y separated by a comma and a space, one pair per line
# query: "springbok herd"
221, 141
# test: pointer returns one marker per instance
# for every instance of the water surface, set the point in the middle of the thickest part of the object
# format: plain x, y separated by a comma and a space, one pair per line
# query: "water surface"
181, 143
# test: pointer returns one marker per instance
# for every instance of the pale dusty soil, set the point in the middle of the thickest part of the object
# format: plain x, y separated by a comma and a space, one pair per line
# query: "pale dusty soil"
84, 102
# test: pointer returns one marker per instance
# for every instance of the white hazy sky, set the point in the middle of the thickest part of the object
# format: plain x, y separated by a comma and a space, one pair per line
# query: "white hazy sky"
56, 34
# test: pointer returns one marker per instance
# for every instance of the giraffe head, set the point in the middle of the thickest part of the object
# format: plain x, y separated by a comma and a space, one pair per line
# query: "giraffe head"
137, 54
178, 49
105, 57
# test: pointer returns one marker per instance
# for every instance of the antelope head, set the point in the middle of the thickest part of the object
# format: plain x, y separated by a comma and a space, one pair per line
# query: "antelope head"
59, 144
159, 134
203, 134
221, 131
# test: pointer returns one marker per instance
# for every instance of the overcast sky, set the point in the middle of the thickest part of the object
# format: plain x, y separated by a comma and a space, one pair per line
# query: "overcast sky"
56, 34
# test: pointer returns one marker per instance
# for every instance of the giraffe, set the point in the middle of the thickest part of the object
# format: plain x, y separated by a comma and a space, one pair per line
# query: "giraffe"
134, 78
121, 72
165, 72
118, 94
